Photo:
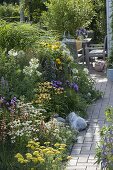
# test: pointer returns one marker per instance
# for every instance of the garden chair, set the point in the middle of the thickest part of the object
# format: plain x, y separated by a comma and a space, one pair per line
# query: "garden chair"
96, 51
76, 49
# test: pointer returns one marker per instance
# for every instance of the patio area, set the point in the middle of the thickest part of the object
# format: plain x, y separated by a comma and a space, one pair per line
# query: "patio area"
83, 152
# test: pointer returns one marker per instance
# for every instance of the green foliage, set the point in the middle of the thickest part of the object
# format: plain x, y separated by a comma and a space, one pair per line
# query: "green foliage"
34, 9
98, 23
13, 71
68, 15
8, 10
104, 151
17, 36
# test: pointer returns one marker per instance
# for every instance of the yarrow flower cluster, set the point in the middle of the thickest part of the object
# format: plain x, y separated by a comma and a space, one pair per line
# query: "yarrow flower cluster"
42, 157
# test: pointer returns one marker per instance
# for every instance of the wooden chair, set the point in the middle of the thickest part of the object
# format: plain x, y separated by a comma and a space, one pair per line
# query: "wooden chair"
76, 50
96, 50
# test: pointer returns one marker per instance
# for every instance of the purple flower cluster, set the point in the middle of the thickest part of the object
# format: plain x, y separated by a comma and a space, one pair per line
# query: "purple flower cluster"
72, 85
59, 84
81, 31
8, 104
107, 149
56, 84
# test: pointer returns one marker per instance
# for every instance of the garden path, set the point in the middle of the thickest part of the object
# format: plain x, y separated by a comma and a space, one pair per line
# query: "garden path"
83, 152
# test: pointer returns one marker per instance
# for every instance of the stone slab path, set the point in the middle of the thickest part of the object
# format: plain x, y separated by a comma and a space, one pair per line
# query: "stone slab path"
83, 152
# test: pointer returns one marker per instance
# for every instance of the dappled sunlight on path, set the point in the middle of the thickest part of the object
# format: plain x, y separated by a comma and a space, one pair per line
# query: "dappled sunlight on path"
83, 152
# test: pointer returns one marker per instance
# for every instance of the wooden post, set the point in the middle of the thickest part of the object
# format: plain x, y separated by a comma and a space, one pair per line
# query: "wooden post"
109, 29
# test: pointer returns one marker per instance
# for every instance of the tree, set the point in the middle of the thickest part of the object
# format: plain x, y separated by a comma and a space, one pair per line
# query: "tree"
98, 24
34, 9
68, 15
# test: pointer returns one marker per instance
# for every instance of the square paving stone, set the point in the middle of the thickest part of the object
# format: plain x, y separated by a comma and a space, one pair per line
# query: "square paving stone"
89, 134
76, 151
83, 158
86, 148
88, 139
72, 162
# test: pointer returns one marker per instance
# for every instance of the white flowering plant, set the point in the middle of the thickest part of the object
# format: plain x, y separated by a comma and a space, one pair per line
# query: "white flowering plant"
32, 69
54, 131
26, 123
86, 84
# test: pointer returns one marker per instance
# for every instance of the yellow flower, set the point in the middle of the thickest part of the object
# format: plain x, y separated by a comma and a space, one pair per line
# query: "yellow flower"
55, 47
63, 145
31, 142
57, 152
35, 160
18, 155
45, 150
58, 61
35, 153
69, 157
56, 144
49, 152
26, 161
46, 143
21, 160
32, 147
40, 159
28, 156
61, 149
42, 147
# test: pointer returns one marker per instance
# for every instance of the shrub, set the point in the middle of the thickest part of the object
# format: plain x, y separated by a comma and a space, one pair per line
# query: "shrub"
17, 36
18, 76
68, 15
8, 10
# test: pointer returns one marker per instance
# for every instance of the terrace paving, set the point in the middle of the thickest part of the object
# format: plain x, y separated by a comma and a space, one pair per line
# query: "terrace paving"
83, 152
